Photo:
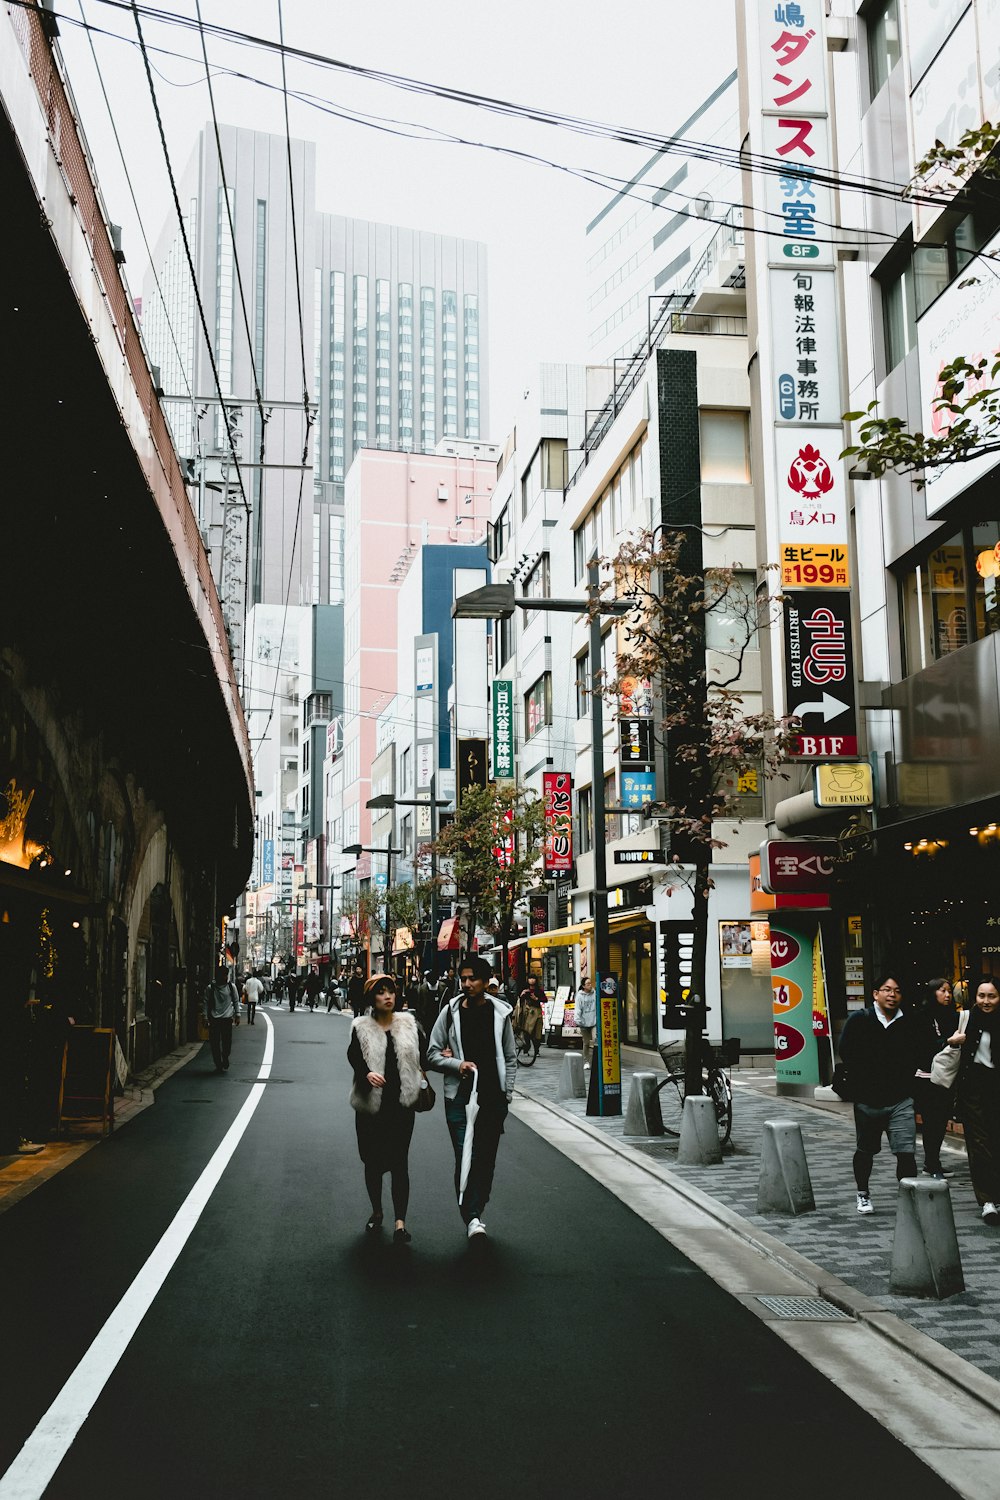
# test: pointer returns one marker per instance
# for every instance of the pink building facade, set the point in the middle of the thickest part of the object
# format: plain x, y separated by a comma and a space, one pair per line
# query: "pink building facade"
395, 503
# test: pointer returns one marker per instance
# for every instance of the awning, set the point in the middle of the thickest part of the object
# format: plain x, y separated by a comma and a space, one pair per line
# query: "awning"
556, 937
449, 936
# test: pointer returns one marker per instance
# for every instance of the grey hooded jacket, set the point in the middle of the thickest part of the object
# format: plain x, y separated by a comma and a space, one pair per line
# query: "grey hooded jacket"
447, 1033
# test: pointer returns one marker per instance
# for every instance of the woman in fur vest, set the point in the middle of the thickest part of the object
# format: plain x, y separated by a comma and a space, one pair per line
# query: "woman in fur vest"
388, 1053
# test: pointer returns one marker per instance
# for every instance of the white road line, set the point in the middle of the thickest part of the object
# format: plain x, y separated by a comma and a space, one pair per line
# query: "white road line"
33, 1468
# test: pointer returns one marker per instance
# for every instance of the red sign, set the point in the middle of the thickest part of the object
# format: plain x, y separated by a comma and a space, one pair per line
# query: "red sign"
787, 865
557, 788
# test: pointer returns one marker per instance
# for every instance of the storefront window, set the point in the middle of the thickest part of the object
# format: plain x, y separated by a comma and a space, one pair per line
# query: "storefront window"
986, 576
631, 955
935, 609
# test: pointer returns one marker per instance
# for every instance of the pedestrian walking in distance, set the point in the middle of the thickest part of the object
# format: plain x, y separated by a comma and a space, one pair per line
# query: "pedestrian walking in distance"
880, 1048
253, 993
979, 1094
388, 1054
586, 1016
472, 1044
938, 1018
220, 1007
356, 991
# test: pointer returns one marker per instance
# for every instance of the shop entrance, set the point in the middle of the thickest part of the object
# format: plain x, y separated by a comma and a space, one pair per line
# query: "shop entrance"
632, 957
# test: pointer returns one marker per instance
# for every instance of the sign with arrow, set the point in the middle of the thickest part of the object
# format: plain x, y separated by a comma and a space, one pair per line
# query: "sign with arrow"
819, 675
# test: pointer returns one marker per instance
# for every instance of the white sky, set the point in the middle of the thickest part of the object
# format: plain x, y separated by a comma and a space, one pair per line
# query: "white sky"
642, 63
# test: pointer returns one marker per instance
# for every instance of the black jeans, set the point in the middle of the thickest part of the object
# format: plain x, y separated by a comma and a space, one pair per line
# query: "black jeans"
485, 1142
980, 1114
934, 1106
220, 1039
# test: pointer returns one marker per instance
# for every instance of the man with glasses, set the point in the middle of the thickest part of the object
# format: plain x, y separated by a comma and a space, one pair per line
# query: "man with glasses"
880, 1049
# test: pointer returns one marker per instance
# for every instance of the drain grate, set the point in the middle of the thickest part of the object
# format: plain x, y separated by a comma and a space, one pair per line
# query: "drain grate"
301, 1041
815, 1309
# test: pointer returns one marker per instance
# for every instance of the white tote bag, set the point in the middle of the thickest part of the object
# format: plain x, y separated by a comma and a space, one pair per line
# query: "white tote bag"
945, 1064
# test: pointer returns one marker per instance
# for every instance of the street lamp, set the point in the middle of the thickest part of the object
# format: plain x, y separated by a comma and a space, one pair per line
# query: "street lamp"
497, 601
386, 801
388, 851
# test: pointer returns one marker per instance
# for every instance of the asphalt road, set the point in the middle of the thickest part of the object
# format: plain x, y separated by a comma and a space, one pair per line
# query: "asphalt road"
574, 1353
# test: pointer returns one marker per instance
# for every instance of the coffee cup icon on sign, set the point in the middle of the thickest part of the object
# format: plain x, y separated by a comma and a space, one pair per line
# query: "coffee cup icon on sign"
846, 778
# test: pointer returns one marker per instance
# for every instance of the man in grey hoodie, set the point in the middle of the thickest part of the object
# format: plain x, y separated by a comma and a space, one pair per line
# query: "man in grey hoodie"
472, 1044
220, 1007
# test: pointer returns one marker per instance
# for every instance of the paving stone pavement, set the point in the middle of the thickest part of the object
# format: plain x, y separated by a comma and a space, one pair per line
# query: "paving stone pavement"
856, 1249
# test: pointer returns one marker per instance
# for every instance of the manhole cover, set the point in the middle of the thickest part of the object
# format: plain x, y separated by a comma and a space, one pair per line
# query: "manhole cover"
816, 1309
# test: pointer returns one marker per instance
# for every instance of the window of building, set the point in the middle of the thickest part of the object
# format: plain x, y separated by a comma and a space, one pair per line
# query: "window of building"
899, 315
536, 585
405, 336
583, 698
624, 503
406, 836
547, 471
449, 363
883, 42
725, 446
383, 379
405, 770
337, 376
506, 637
585, 818
360, 361
428, 369
936, 603
728, 624
471, 329
538, 705
501, 534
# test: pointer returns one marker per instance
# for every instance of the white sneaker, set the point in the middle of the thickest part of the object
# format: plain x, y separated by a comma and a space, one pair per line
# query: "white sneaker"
865, 1204
991, 1213
476, 1227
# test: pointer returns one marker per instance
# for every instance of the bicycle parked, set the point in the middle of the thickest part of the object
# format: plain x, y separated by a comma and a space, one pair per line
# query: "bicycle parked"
716, 1063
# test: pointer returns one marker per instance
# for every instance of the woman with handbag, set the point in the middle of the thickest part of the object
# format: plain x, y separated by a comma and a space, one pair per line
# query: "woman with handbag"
933, 1101
388, 1052
979, 1094
530, 1020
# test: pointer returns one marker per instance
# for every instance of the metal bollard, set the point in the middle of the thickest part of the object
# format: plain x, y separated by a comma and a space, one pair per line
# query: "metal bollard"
925, 1257
571, 1085
784, 1185
699, 1144
642, 1116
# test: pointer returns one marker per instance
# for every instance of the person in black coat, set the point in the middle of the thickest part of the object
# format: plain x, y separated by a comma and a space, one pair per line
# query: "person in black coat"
978, 1094
937, 1018
880, 1048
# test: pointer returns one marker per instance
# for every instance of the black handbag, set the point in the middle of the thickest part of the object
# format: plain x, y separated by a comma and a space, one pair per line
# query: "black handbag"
425, 1098
841, 1083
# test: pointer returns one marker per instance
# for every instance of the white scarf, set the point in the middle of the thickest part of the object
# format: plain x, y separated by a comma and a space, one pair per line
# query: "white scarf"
372, 1039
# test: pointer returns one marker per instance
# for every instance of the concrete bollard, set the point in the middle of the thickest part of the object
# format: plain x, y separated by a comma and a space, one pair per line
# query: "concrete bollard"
925, 1255
571, 1084
784, 1185
642, 1116
699, 1144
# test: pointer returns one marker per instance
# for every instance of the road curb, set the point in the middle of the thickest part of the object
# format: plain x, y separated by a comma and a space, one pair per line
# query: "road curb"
966, 1377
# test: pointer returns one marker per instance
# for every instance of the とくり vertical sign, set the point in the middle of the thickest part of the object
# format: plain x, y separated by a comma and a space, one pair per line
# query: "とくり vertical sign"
557, 790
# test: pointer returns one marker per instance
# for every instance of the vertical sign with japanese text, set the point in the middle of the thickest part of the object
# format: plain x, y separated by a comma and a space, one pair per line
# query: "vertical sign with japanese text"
503, 730
797, 286
795, 1056
557, 791
604, 1096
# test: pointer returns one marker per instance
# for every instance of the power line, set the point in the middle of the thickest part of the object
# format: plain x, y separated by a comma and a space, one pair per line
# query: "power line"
187, 250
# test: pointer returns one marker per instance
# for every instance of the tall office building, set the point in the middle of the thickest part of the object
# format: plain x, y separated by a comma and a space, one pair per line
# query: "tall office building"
392, 337
651, 238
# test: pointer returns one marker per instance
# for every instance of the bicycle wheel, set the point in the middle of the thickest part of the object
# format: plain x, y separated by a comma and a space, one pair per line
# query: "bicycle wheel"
525, 1050
720, 1089
671, 1095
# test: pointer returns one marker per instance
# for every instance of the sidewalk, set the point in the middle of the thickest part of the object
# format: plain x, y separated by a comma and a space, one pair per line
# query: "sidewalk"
21, 1174
855, 1250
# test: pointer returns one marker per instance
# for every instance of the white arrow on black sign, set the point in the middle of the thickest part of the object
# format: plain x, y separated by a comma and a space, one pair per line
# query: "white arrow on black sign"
829, 706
